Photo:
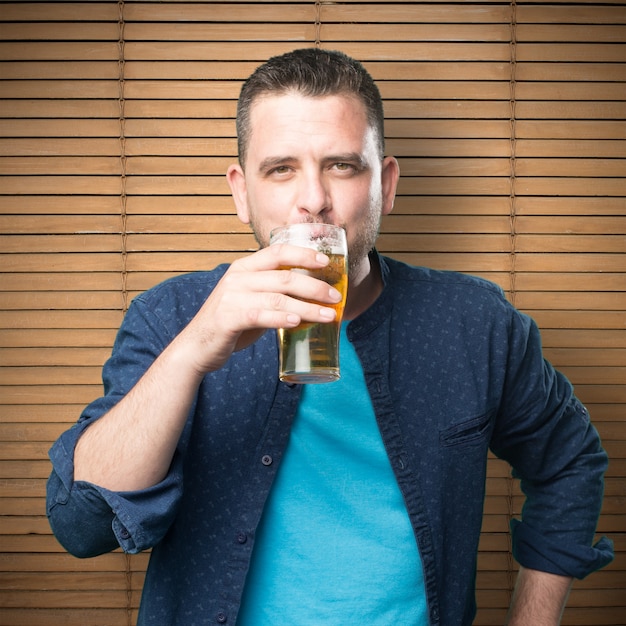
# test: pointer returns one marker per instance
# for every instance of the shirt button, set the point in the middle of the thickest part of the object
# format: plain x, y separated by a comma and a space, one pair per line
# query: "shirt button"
221, 618
242, 537
124, 534
266, 459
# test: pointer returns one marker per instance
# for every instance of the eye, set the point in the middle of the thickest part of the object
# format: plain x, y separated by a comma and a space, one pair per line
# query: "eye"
279, 171
344, 167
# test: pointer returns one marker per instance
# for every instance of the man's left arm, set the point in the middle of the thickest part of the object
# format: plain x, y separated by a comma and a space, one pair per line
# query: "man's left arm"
539, 598
561, 475
545, 433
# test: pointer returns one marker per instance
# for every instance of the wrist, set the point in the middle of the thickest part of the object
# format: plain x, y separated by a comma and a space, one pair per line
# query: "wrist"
539, 598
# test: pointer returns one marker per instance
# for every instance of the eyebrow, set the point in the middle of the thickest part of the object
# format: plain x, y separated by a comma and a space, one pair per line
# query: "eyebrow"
348, 157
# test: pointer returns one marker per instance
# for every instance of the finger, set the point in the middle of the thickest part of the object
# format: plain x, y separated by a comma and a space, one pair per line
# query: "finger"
244, 285
281, 311
281, 255
267, 299
299, 284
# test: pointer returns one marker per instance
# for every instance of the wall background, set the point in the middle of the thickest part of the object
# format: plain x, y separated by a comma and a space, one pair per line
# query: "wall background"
116, 126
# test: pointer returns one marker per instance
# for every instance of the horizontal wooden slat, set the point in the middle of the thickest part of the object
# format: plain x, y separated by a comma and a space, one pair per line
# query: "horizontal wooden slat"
54, 283
97, 300
77, 581
59, 562
214, 31
50, 338
570, 149
24, 469
25, 356
592, 52
570, 243
53, 375
588, 356
568, 32
569, 91
612, 301
27, 165
61, 413
60, 262
567, 72
111, 205
58, 224
61, 11
58, 51
416, 13
58, 69
548, 109
68, 617
560, 186
60, 128
574, 281
18, 108
570, 14
571, 205
438, 129
53, 394
19, 244
62, 204
220, 12
60, 89
197, 51
571, 225
570, 129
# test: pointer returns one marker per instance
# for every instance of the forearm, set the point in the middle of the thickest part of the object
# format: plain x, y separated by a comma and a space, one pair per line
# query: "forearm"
538, 599
131, 447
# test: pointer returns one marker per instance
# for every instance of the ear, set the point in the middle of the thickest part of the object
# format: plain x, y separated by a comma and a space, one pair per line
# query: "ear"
390, 175
237, 183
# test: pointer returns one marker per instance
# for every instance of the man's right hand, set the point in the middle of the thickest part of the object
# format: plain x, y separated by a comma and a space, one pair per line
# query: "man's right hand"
254, 295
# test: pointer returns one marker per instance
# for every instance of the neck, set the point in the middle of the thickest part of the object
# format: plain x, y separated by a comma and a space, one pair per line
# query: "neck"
364, 286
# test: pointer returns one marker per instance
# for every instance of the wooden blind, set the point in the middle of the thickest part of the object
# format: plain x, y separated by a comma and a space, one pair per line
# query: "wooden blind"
116, 127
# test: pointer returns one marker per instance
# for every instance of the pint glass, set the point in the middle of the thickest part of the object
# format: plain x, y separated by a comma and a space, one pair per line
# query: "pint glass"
309, 353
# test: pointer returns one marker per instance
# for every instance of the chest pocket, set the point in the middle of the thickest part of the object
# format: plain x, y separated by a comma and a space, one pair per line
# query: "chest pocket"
470, 432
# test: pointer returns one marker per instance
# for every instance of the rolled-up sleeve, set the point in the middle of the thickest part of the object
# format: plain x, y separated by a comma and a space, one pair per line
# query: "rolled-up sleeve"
546, 435
87, 519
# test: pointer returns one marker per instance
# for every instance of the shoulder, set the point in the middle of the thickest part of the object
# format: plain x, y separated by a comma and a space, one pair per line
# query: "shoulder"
179, 298
427, 280
189, 285
445, 299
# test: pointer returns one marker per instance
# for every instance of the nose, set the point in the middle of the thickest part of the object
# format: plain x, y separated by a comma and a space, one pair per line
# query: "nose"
313, 196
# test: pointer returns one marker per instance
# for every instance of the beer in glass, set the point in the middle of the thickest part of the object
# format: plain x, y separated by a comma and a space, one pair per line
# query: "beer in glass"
309, 353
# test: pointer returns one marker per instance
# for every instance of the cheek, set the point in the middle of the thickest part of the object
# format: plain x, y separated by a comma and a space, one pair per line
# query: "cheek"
352, 199
268, 208
272, 199
363, 204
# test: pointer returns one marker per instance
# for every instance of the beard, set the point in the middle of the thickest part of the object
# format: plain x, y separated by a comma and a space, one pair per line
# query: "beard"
362, 241
361, 237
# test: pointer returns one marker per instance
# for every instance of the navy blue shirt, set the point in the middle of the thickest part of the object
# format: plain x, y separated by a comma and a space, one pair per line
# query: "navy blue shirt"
452, 370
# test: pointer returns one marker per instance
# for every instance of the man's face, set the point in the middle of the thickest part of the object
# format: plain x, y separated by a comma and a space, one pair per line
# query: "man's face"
313, 159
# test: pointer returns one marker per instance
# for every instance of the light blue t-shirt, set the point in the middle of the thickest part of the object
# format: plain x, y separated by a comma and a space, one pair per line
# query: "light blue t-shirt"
335, 544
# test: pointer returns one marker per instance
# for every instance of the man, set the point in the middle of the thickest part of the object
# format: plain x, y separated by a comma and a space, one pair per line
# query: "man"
357, 502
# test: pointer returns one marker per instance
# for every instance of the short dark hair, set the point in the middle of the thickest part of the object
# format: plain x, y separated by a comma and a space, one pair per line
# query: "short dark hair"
311, 72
